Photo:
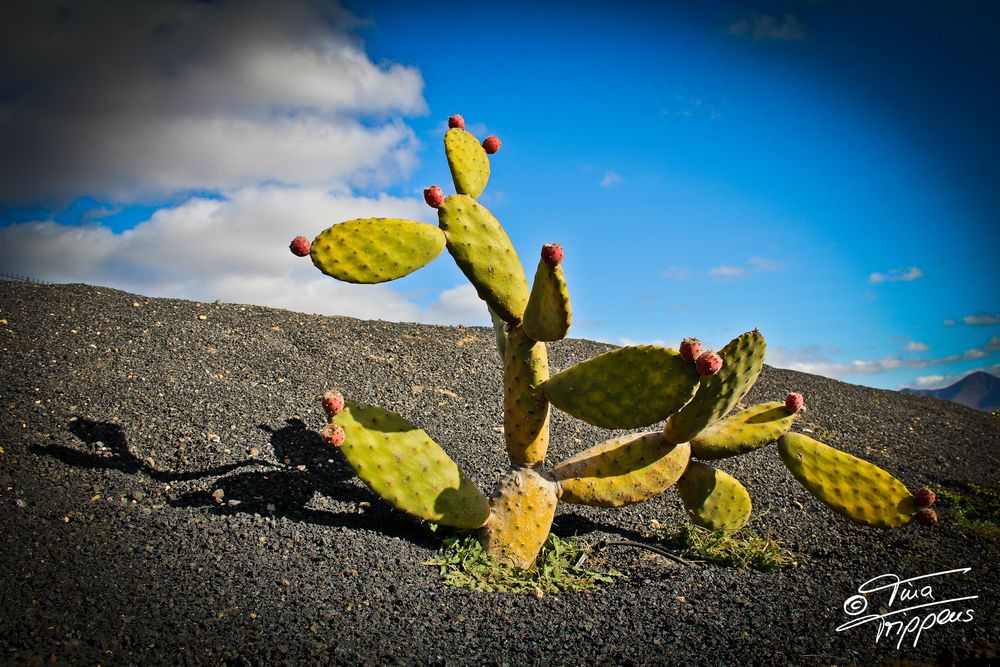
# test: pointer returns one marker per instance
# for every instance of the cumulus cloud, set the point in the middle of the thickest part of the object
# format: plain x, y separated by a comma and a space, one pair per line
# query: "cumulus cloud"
897, 275
234, 249
128, 101
611, 179
761, 26
916, 346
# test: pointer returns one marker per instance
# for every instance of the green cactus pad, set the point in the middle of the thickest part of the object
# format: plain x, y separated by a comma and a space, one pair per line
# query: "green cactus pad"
409, 470
851, 487
469, 164
483, 251
548, 315
743, 432
630, 387
714, 499
375, 250
622, 471
525, 408
521, 511
717, 394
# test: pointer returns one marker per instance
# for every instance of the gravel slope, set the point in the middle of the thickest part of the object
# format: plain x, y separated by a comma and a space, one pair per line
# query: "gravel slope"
122, 415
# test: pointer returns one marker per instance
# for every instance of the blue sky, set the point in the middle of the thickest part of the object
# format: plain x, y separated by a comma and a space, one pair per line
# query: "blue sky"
825, 171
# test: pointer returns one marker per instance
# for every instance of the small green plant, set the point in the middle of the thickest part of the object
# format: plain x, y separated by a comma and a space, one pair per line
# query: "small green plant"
741, 549
826, 434
975, 509
463, 562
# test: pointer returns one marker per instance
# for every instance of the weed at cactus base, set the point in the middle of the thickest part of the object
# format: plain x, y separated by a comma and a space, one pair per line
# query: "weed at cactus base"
464, 563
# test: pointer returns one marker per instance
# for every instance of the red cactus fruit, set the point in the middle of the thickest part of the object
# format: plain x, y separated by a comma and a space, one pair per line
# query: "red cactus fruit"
794, 402
434, 196
925, 497
690, 349
300, 246
456, 120
333, 402
708, 363
491, 144
332, 435
926, 517
552, 254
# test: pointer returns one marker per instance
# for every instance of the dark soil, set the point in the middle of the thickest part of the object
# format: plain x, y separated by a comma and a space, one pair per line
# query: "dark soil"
122, 415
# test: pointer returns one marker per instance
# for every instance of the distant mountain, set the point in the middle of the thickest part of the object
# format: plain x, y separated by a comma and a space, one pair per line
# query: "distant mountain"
979, 391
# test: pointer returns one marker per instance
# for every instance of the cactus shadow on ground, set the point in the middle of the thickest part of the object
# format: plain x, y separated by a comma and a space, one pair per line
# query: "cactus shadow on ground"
282, 490
112, 452
569, 524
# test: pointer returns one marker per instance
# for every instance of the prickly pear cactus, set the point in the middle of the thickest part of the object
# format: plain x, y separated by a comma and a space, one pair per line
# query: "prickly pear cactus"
690, 391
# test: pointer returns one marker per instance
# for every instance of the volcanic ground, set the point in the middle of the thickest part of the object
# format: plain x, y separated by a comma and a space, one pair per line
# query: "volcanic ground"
165, 499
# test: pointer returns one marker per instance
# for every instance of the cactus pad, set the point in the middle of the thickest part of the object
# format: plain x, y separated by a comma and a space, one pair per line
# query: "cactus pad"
622, 471
522, 507
483, 251
375, 250
525, 408
851, 487
630, 387
409, 470
717, 394
743, 432
714, 499
470, 167
548, 315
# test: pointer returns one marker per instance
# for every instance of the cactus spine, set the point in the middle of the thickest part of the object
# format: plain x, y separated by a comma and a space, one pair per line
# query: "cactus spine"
690, 391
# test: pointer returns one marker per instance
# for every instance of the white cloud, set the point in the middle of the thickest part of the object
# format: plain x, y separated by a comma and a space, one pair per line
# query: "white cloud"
458, 305
234, 249
611, 179
625, 342
129, 101
916, 346
931, 381
897, 275
760, 26
949, 323
727, 272
939, 381
812, 359
755, 265
982, 319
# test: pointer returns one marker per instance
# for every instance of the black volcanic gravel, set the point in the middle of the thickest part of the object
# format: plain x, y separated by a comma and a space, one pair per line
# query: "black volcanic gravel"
122, 415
